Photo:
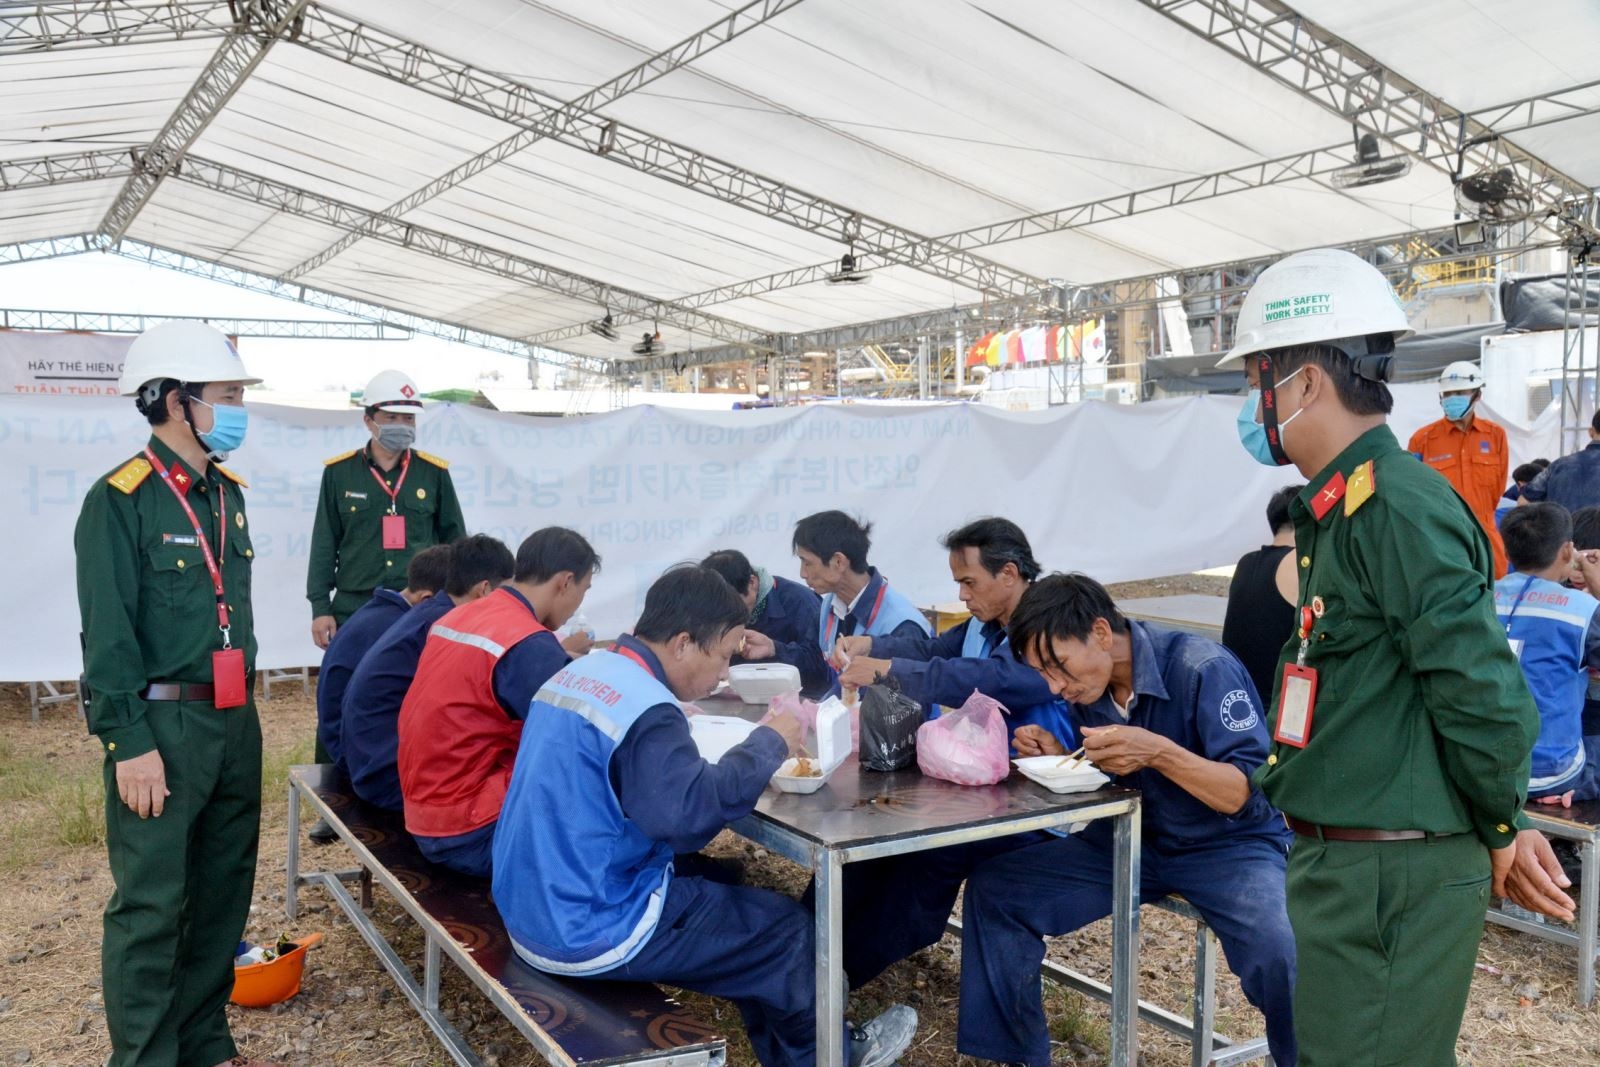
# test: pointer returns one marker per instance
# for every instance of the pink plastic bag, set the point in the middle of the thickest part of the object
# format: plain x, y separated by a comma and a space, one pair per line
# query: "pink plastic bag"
967, 746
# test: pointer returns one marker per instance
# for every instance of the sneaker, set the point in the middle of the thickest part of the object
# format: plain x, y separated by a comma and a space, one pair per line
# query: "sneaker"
321, 833
880, 1042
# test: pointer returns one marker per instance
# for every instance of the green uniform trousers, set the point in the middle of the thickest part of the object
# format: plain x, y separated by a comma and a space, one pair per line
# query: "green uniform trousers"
183, 888
1386, 934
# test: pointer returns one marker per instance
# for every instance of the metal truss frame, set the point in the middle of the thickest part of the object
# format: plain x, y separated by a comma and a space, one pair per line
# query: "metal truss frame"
663, 63
1514, 117
1326, 69
340, 304
60, 170
32, 28
414, 65
261, 23
45, 248
138, 322
1082, 301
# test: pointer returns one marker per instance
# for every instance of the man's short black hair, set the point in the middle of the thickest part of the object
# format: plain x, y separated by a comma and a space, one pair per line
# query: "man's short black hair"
1534, 533
429, 570
998, 541
1541, 463
1278, 507
1061, 606
733, 565
546, 553
478, 558
828, 532
1360, 396
694, 600
156, 413
1526, 472
1594, 423
1585, 528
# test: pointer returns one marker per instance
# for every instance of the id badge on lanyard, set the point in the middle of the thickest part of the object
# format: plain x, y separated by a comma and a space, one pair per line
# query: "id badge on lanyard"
394, 524
1297, 696
227, 663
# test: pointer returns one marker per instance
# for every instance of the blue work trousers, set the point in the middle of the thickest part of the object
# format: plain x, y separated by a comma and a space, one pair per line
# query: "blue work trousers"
1015, 901
751, 946
470, 853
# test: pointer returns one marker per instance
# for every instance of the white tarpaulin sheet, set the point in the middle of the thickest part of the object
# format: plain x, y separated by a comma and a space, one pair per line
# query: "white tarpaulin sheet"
1118, 492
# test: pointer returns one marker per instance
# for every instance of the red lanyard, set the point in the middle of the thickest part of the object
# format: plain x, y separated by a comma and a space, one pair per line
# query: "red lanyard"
205, 542
872, 616
394, 494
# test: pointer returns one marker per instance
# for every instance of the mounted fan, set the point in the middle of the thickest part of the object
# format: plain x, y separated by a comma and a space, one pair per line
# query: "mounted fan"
649, 345
1371, 166
1494, 196
849, 273
604, 327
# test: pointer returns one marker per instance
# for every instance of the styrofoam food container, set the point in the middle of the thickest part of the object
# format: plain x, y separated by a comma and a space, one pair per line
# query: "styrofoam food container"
833, 745
757, 683
1079, 777
714, 735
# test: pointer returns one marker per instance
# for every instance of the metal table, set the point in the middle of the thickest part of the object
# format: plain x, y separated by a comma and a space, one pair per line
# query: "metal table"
1196, 613
863, 815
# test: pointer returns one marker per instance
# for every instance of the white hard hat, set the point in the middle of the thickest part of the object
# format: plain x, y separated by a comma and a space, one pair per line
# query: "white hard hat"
1460, 377
391, 389
1325, 294
184, 351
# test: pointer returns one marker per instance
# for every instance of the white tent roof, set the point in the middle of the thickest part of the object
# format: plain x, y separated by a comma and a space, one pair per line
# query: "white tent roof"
925, 117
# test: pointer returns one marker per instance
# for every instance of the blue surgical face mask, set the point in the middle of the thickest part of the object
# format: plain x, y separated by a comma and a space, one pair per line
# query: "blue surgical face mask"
1456, 406
228, 424
1253, 435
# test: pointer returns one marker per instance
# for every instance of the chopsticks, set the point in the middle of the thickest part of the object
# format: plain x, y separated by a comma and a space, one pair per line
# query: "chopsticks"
1072, 756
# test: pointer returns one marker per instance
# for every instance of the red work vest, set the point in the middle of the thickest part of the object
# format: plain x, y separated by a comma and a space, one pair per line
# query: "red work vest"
457, 744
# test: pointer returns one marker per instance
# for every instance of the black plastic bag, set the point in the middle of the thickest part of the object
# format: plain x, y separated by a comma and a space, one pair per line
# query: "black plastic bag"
889, 721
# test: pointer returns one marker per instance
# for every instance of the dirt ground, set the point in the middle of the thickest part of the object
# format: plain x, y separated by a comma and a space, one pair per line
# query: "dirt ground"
53, 870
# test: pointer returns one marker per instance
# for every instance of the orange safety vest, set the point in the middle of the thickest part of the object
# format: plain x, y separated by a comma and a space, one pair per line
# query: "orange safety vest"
1475, 461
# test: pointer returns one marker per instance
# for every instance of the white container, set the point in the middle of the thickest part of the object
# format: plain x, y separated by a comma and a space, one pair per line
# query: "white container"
757, 683
714, 735
833, 745
1078, 776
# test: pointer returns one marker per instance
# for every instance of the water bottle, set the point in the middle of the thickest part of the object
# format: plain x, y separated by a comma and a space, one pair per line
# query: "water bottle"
579, 624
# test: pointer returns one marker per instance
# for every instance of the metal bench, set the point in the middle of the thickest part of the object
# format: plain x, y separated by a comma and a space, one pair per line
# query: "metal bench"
578, 1023
1207, 1047
1581, 824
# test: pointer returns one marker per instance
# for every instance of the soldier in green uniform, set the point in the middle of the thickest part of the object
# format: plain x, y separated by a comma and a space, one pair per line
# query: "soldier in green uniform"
163, 562
1401, 724
379, 506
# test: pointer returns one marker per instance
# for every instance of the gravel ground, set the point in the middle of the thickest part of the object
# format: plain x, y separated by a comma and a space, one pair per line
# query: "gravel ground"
52, 864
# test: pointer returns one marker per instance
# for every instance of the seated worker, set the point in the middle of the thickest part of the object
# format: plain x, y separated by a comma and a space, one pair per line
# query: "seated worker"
1520, 477
784, 612
1261, 598
608, 785
1176, 717
426, 575
856, 599
992, 564
462, 717
1586, 538
1555, 633
371, 712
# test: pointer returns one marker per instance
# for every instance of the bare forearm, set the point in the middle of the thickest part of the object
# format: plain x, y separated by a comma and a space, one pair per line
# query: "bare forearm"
1220, 786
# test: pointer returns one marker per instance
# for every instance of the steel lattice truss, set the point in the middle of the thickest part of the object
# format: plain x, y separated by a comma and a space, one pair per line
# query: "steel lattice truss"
1265, 34
136, 322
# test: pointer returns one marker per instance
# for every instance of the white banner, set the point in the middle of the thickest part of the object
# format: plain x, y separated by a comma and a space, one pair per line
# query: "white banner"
36, 363
1119, 492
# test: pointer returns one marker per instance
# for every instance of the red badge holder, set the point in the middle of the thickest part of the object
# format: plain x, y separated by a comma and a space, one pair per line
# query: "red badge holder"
394, 531
228, 678
1297, 695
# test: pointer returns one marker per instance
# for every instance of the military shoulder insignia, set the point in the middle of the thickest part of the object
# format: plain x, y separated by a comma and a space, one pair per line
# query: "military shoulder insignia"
1362, 484
435, 460
340, 458
132, 474
232, 477
1330, 494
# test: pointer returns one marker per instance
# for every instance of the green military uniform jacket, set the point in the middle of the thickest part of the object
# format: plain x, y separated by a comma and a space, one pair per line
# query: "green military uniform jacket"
1423, 720
146, 599
348, 560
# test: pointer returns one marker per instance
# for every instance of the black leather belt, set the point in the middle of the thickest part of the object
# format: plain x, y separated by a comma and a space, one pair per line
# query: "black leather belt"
178, 691
1349, 833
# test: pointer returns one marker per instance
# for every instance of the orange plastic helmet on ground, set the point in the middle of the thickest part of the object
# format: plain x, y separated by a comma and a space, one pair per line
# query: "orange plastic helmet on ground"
261, 985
